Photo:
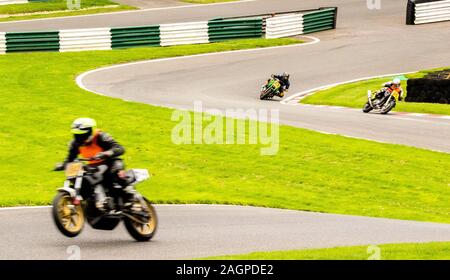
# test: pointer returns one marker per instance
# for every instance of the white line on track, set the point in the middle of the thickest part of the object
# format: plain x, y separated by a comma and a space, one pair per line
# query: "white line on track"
133, 11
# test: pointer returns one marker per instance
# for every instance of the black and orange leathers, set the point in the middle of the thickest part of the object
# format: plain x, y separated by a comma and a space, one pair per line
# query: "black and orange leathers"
391, 87
101, 142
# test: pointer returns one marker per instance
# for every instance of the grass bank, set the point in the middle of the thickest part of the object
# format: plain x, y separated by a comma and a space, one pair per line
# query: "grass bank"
312, 171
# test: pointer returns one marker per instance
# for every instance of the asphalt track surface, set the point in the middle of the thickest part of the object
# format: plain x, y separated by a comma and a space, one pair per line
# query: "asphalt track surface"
195, 231
366, 43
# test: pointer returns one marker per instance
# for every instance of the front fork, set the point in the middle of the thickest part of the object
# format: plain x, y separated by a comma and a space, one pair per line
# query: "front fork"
75, 191
369, 97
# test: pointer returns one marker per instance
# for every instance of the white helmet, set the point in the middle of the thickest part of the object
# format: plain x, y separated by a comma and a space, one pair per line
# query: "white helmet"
83, 129
397, 82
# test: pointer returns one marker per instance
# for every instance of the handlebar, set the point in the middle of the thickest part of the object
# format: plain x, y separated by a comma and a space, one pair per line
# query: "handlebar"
87, 159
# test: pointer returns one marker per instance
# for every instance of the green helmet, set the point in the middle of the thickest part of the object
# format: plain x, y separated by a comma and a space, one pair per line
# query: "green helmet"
83, 128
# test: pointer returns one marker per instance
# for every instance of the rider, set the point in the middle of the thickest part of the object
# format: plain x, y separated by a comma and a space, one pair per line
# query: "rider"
284, 81
395, 85
90, 142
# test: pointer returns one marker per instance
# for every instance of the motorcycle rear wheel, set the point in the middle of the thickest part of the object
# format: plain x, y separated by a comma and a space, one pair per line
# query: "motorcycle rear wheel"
68, 218
143, 232
387, 108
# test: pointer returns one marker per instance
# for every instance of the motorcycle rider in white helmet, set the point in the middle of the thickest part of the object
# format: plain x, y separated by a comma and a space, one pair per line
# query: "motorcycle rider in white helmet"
394, 85
92, 143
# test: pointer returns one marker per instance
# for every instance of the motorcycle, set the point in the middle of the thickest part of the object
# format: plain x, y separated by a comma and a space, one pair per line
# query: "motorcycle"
103, 208
382, 101
270, 89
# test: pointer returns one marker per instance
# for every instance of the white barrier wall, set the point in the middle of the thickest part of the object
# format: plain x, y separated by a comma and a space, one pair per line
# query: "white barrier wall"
7, 2
2, 42
184, 33
432, 12
85, 39
284, 26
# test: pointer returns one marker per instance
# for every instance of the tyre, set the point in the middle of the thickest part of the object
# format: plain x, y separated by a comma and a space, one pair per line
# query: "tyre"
143, 232
69, 218
264, 94
387, 108
367, 108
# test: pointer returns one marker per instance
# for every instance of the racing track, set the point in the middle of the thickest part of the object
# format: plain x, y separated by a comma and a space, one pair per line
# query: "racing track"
194, 231
361, 46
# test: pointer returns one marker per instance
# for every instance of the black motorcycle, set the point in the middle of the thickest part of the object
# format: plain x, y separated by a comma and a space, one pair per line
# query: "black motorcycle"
104, 207
383, 101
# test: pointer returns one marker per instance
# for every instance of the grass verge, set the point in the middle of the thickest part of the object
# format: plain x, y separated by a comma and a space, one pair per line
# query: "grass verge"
406, 251
57, 8
355, 95
312, 171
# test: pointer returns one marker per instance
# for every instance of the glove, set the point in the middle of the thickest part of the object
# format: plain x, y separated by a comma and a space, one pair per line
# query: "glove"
104, 155
59, 167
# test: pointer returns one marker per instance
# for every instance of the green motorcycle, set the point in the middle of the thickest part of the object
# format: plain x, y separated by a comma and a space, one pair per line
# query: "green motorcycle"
270, 89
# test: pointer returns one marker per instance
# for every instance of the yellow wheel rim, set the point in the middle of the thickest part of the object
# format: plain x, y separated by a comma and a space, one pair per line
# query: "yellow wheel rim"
70, 216
148, 228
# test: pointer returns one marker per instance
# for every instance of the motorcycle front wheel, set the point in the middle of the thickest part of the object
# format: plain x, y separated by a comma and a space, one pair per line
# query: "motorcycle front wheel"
367, 108
143, 231
263, 95
69, 218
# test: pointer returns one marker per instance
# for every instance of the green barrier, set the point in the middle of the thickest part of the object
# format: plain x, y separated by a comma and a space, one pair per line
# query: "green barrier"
228, 29
32, 41
135, 36
320, 20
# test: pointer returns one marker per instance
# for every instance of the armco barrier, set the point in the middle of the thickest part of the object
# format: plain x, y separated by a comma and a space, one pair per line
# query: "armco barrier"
32, 41
216, 30
184, 33
284, 26
229, 29
301, 23
323, 19
427, 11
85, 39
2, 43
135, 36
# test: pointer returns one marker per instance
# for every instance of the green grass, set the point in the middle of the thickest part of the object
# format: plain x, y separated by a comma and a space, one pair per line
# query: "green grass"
207, 1
407, 251
57, 8
312, 171
355, 95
